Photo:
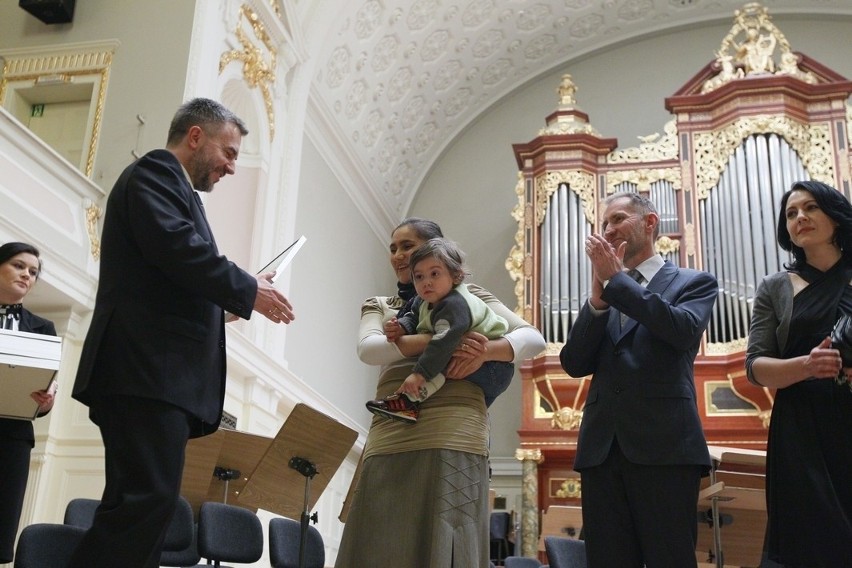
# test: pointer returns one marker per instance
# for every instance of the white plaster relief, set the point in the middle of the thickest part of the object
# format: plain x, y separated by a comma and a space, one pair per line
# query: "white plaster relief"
447, 75
458, 102
633, 10
401, 175
356, 98
534, 18
400, 84
477, 12
412, 112
496, 72
368, 19
435, 45
338, 67
385, 54
586, 26
386, 154
487, 44
421, 14
540, 46
425, 137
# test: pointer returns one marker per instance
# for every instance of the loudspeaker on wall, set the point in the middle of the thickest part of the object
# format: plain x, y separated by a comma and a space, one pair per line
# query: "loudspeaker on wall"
50, 11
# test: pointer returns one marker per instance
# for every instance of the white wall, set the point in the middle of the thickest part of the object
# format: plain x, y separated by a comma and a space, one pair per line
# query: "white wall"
341, 264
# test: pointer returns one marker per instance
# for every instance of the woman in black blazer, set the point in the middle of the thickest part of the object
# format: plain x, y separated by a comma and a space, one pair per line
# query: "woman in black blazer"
19, 270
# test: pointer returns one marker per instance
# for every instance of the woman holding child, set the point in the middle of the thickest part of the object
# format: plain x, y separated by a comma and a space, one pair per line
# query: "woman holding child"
421, 499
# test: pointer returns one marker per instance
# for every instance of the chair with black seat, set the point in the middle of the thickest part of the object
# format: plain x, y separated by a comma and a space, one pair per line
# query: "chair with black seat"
285, 538
227, 533
80, 512
44, 545
180, 548
565, 552
521, 562
499, 536
188, 556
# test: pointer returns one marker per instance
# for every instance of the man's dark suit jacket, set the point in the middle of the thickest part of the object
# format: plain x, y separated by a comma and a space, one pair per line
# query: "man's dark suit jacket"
158, 328
643, 389
23, 429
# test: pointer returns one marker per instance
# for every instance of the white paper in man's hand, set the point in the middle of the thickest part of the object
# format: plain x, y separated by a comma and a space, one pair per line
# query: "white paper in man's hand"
280, 262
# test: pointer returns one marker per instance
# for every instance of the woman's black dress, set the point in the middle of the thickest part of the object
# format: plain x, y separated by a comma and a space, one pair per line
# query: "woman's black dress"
809, 458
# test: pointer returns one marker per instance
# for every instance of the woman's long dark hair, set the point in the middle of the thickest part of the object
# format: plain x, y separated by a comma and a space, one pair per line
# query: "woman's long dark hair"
9, 250
424, 228
834, 204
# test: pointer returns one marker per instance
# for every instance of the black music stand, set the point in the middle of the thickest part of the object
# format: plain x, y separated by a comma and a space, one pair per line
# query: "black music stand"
309, 444
746, 498
216, 466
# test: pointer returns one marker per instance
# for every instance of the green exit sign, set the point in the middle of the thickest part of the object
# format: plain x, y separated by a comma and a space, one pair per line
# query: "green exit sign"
38, 110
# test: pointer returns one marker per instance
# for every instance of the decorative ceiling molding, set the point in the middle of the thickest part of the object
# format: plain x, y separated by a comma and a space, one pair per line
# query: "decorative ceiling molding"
400, 79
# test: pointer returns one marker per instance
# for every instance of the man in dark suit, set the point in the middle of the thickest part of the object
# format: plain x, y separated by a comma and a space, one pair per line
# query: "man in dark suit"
152, 369
641, 450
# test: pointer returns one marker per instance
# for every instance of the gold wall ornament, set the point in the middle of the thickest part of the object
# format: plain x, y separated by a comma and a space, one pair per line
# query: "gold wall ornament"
560, 398
93, 213
689, 238
849, 123
566, 91
567, 418
517, 255
737, 396
750, 49
568, 118
258, 62
568, 488
652, 148
643, 178
535, 455
568, 124
713, 149
727, 348
666, 245
581, 183
552, 349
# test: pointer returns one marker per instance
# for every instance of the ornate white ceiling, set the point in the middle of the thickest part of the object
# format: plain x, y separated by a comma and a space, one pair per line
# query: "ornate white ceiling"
397, 80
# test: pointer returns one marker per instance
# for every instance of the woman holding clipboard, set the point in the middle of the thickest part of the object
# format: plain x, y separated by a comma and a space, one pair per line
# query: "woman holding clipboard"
19, 269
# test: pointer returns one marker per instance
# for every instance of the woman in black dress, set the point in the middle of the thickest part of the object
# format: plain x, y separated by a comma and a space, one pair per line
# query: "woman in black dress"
809, 451
19, 270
